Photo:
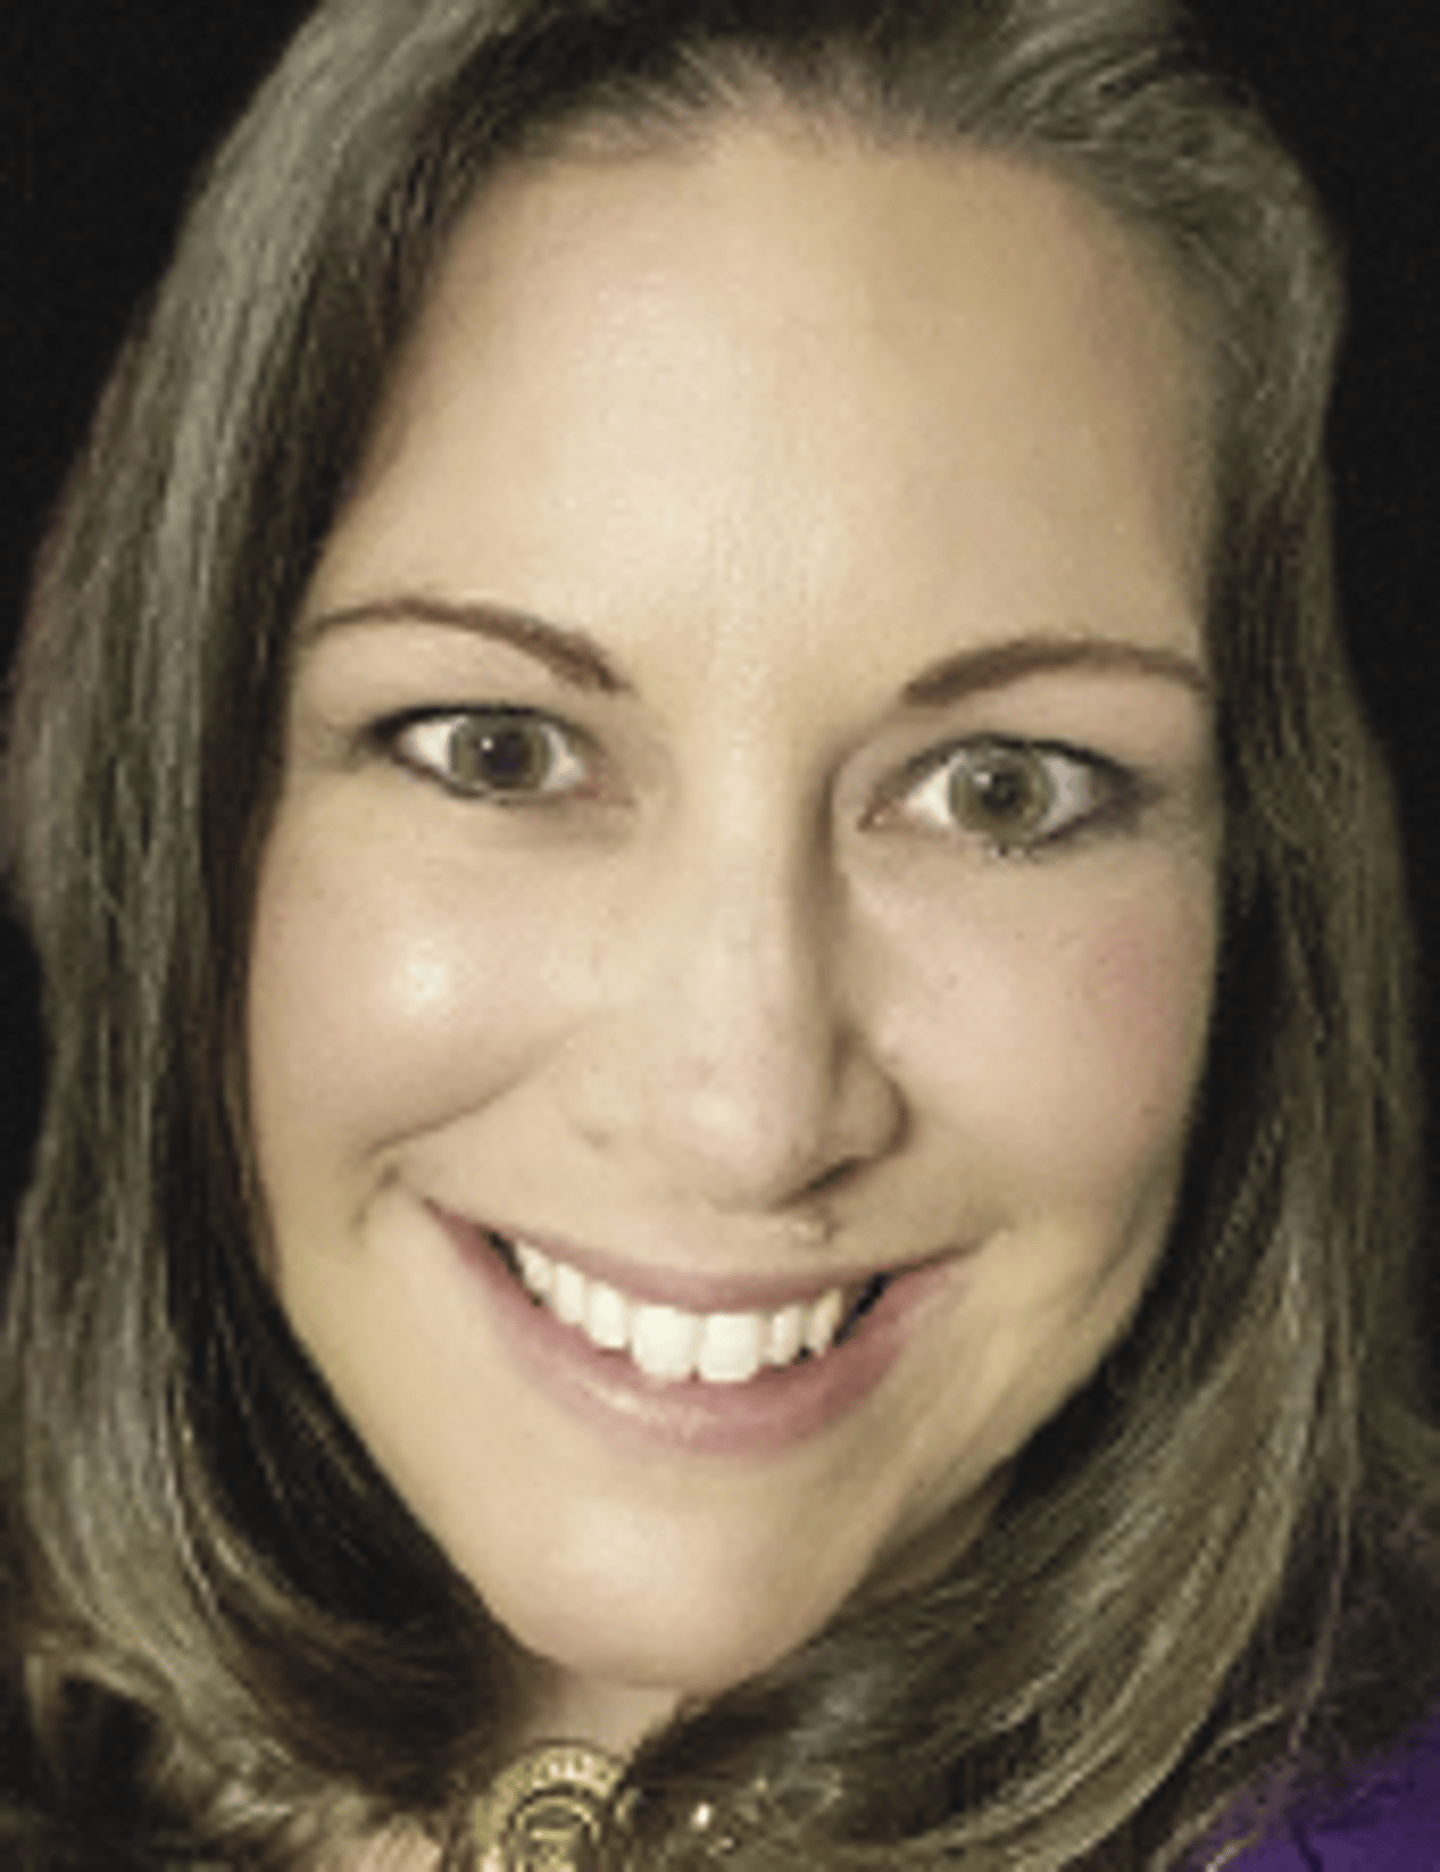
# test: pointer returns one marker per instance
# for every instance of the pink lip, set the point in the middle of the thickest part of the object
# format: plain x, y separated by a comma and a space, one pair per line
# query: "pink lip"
772, 1412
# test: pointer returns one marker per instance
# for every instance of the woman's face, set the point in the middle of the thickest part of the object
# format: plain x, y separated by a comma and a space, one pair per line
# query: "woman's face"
748, 843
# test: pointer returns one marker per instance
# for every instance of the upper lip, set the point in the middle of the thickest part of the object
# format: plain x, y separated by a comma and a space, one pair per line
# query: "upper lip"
693, 1290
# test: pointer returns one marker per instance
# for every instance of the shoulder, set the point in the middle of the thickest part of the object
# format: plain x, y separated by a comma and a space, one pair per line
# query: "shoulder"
1384, 1817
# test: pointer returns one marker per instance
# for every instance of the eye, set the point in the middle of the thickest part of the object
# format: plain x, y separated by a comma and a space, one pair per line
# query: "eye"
1015, 796
501, 754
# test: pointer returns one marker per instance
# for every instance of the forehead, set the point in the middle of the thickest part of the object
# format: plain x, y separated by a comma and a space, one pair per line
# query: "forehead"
782, 331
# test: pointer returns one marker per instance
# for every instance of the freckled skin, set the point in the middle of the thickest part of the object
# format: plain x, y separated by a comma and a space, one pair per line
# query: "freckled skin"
778, 422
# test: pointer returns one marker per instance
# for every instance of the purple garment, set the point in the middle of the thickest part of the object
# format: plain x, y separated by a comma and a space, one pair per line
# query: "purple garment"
1387, 1819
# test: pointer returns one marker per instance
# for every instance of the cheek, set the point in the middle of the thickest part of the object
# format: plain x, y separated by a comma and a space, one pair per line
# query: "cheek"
385, 990
1070, 1042
1140, 998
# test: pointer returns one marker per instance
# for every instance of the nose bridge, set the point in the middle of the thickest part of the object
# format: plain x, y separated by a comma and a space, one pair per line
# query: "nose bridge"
746, 1070
755, 963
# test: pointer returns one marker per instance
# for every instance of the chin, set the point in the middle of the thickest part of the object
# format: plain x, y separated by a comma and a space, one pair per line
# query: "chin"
691, 1623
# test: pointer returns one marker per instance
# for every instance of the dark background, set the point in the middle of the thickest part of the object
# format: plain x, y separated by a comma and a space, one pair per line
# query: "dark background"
106, 105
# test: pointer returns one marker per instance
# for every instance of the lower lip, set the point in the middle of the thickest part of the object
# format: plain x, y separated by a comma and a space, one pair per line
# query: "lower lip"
771, 1412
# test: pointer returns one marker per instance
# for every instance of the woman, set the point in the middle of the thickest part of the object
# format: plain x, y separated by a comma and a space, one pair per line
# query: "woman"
729, 1080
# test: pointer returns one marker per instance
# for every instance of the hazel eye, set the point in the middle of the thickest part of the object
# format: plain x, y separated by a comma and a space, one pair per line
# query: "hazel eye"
499, 754
1013, 795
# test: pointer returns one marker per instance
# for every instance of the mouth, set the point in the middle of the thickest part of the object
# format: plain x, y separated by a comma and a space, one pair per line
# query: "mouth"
671, 1345
688, 1362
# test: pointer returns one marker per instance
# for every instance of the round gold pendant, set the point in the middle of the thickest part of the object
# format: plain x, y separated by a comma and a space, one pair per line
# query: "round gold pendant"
543, 1813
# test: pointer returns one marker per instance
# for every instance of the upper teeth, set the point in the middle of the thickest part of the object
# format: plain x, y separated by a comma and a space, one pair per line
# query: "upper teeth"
670, 1343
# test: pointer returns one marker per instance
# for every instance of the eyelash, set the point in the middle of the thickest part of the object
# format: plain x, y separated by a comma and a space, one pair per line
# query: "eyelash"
1079, 791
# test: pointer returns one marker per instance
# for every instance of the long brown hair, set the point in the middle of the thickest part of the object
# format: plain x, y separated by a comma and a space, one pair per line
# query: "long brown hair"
233, 1636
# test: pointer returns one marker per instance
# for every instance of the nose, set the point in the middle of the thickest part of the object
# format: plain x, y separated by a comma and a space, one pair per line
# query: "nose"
736, 1060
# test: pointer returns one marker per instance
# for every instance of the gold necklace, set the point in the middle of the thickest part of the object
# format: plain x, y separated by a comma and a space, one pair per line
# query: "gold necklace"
545, 1811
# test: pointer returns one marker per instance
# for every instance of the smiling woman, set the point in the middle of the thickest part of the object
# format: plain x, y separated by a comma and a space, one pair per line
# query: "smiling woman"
728, 1163
703, 980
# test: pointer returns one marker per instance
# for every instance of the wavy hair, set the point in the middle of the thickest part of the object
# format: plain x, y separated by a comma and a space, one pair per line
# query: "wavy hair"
229, 1640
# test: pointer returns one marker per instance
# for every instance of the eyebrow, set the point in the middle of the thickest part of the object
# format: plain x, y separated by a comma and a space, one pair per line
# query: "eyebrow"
576, 659
993, 666
568, 654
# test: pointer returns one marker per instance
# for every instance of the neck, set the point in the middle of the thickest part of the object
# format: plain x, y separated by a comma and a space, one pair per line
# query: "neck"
608, 1716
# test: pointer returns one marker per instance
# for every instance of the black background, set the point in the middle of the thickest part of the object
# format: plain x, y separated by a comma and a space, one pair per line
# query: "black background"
106, 105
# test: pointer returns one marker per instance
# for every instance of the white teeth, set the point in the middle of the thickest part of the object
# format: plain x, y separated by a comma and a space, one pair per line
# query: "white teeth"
536, 1270
730, 1347
664, 1341
786, 1335
569, 1294
823, 1322
607, 1317
670, 1344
